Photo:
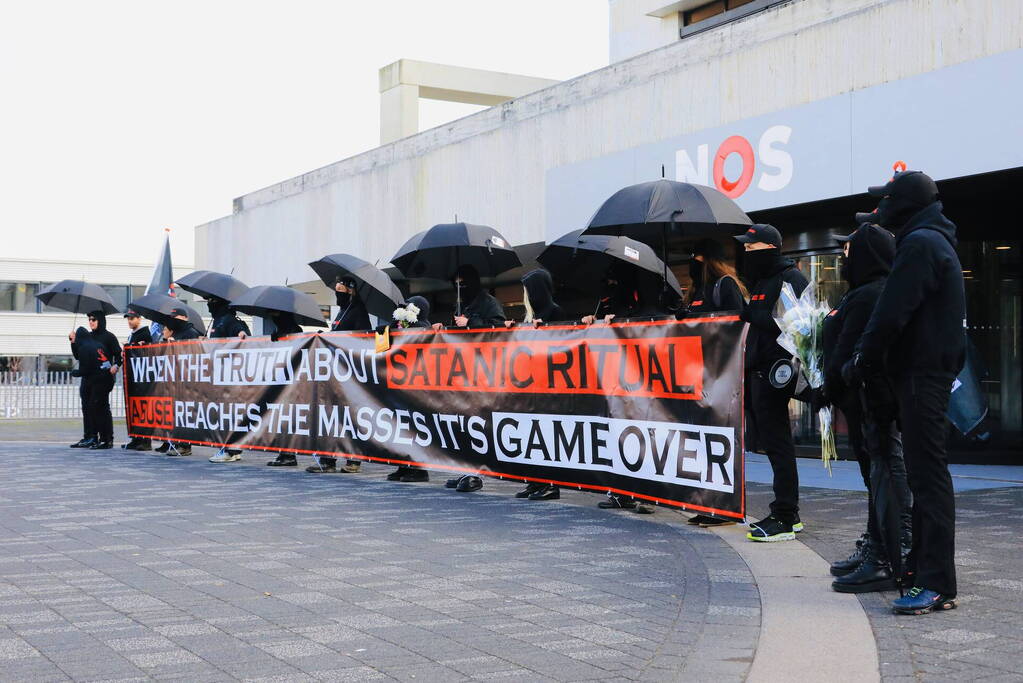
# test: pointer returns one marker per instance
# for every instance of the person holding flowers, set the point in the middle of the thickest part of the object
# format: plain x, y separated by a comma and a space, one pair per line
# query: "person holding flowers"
414, 314
770, 377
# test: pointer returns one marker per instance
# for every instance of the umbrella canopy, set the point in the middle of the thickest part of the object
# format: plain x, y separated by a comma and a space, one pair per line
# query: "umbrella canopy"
76, 296
209, 284
265, 300
378, 293
588, 258
439, 251
159, 307
648, 210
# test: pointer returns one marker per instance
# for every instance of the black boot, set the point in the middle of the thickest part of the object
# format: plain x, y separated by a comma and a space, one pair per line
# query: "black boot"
849, 564
284, 460
163, 448
397, 474
871, 576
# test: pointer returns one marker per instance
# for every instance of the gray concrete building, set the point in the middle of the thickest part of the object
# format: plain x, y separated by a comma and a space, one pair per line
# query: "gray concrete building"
792, 108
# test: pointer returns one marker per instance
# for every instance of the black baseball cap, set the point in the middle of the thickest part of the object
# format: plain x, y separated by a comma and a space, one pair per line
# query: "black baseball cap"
132, 313
761, 232
915, 186
179, 310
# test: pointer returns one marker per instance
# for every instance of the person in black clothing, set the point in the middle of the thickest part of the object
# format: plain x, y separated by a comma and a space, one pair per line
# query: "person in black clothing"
919, 322
352, 314
478, 307
768, 384
875, 440
715, 284
538, 299
282, 325
140, 335
628, 293
405, 473
178, 328
715, 288
88, 431
99, 358
225, 324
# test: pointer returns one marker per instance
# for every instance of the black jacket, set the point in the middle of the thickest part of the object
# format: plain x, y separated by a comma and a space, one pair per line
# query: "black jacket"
186, 332
283, 325
96, 350
227, 325
351, 316
762, 349
484, 311
728, 298
920, 316
141, 336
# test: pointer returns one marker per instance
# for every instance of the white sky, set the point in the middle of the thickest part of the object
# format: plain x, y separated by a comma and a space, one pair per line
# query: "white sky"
119, 118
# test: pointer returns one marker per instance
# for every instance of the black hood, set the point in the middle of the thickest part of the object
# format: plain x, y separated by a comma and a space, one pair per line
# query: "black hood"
871, 254
763, 263
218, 307
932, 218
470, 283
649, 288
101, 321
423, 305
540, 289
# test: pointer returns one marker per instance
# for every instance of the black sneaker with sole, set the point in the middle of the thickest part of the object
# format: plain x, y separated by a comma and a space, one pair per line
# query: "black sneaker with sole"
163, 448
870, 577
530, 489
283, 460
469, 484
84, 443
414, 474
453, 483
615, 502
397, 474
771, 530
101, 446
545, 492
707, 520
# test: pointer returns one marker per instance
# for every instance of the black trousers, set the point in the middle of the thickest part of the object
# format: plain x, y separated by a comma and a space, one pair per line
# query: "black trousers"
923, 401
878, 450
97, 404
770, 408
88, 430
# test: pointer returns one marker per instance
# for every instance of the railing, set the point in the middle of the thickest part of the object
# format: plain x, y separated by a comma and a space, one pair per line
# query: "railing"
39, 395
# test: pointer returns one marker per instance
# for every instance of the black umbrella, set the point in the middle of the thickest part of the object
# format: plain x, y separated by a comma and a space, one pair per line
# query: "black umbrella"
265, 300
375, 289
645, 211
650, 211
159, 307
588, 258
439, 251
76, 296
209, 284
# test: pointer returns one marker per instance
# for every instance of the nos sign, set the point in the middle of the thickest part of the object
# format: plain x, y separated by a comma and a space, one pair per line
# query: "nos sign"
737, 164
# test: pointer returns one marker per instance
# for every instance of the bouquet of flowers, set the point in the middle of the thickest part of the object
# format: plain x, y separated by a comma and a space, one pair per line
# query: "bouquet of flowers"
801, 320
406, 315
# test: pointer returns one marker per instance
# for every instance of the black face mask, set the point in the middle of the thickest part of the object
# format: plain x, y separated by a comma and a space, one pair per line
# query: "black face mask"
894, 212
696, 272
216, 307
757, 264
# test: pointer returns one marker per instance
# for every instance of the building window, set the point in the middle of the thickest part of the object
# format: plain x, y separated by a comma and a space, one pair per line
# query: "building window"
18, 296
717, 12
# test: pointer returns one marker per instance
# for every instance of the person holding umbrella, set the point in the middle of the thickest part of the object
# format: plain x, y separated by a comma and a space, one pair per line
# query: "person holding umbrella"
477, 307
420, 306
99, 358
769, 377
715, 285
139, 335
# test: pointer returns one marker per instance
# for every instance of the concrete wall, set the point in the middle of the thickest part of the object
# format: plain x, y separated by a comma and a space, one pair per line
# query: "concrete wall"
490, 167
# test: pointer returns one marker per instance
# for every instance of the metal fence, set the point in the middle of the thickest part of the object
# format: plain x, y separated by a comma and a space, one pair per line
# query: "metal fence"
37, 395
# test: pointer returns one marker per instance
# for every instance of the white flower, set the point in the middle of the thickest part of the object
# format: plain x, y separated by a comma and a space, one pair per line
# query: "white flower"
400, 314
413, 311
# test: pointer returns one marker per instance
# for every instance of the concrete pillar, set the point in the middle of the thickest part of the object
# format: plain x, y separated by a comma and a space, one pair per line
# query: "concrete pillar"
399, 112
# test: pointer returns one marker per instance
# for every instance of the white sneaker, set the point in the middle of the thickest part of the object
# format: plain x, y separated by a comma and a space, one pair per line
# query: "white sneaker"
223, 456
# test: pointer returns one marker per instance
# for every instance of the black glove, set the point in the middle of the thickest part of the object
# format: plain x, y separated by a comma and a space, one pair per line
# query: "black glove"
880, 400
854, 371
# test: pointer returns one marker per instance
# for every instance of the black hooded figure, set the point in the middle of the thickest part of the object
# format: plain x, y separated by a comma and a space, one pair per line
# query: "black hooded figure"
88, 430
180, 327
539, 293
283, 324
99, 357
405, 473
875, 439
711, 292
420, 302
225, 322
352, 314
479, 307
765, 270
918, 327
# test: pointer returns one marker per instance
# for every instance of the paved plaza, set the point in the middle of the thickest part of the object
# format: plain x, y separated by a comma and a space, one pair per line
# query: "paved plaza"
118, 566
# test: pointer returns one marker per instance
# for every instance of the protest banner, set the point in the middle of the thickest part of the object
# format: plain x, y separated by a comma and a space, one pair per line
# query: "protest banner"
650, 409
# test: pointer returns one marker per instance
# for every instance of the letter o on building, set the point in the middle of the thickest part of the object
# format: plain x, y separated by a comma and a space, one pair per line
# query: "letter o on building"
734, 145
